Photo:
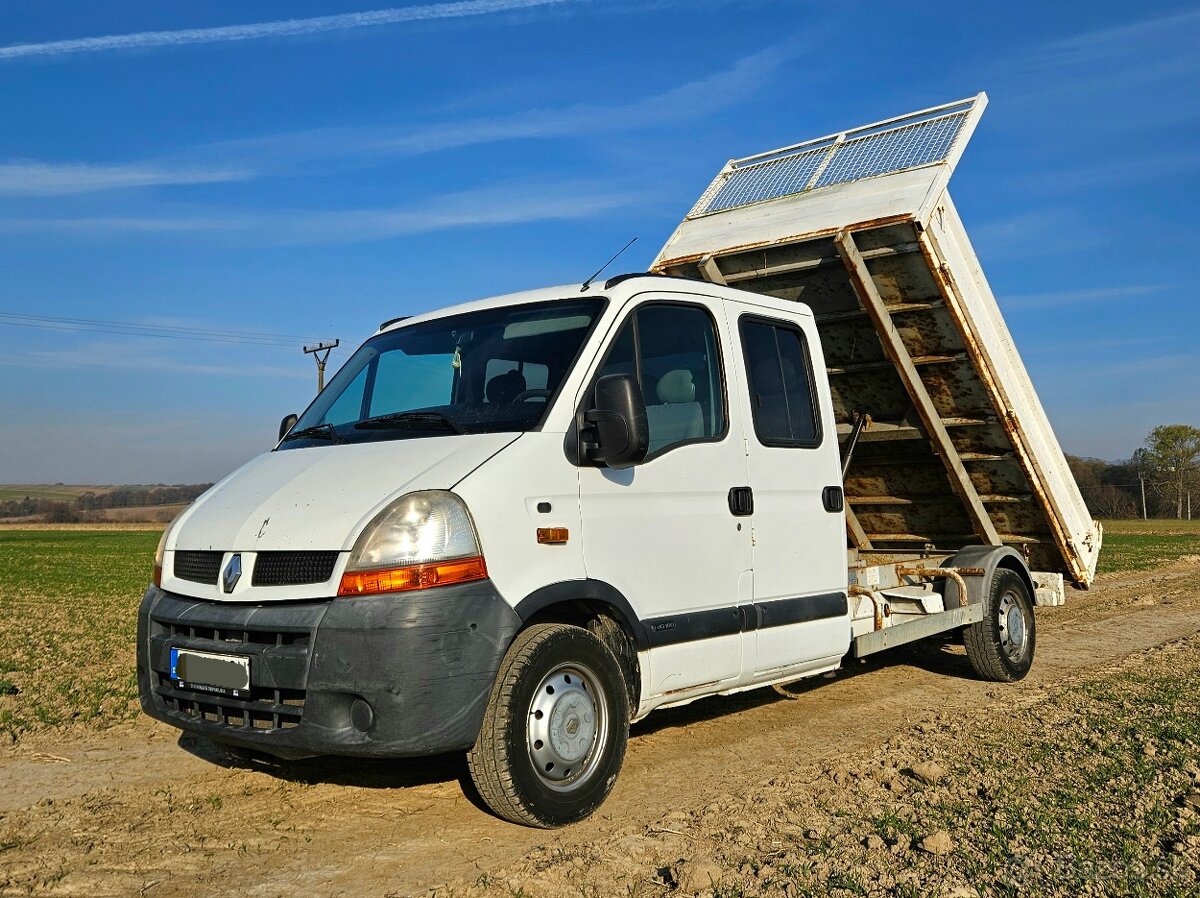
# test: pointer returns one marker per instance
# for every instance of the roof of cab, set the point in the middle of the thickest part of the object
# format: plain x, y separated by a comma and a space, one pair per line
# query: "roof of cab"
619, 286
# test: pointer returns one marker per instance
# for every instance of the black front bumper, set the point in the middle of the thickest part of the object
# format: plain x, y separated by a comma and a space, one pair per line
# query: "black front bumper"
424, 662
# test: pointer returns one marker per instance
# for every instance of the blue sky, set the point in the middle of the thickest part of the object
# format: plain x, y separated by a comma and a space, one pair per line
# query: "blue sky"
273, 174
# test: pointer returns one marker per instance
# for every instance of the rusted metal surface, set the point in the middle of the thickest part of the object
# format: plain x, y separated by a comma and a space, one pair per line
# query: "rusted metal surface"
954, 573
876, 602
858, 536
1008, 420
902, 361
665, 266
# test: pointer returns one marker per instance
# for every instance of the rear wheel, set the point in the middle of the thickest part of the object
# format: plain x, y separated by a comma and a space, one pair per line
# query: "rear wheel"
554, 733
1000, 647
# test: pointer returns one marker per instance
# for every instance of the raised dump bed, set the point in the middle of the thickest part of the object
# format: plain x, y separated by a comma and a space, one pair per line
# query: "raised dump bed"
952, 445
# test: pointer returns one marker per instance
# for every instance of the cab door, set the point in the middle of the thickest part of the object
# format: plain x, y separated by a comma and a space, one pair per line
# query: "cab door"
799, 526
663, 532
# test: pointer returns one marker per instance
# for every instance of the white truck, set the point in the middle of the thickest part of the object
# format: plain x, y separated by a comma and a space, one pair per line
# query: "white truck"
514, 526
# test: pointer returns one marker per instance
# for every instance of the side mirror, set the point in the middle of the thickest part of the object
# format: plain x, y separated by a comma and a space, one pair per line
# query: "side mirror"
288, 422
618, 420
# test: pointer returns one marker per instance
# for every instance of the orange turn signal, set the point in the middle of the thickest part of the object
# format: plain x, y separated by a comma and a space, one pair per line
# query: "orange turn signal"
416, 576
552, 535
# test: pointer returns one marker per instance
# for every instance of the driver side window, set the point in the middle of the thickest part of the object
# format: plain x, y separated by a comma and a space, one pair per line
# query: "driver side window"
672, 349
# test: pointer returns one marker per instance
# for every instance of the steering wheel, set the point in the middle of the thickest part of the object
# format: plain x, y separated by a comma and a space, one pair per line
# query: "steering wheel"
532, 394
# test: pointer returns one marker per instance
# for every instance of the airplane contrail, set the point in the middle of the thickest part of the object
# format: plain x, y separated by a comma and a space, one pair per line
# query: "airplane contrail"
282, 28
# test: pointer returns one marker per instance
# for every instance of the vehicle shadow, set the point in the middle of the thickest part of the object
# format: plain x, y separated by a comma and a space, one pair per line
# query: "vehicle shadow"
366, 773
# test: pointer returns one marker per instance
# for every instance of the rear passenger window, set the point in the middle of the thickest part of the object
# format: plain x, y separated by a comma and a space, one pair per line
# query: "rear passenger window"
781, 394
673, 351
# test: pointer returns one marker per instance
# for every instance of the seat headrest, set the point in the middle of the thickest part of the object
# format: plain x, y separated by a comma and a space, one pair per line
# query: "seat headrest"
503, 388
676, 386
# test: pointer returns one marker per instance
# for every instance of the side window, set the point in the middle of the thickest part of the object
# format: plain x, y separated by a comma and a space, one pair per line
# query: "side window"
781, 393
673, 351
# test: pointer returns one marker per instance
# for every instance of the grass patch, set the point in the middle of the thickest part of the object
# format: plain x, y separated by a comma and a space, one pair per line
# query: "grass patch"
59, 492
68, 621
1095, 791
1156, 527
1144, 545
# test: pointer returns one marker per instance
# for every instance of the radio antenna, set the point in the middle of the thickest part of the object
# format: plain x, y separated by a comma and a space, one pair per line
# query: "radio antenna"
588, 282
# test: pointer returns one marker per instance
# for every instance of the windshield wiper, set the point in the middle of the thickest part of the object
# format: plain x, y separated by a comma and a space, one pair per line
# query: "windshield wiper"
317, 430
411, 419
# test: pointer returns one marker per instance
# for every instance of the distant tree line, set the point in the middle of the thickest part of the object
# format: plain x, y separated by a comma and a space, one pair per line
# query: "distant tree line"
1160, 480
91, 506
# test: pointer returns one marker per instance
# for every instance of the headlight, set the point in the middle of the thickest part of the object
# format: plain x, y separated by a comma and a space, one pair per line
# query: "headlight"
421, 540
161, 550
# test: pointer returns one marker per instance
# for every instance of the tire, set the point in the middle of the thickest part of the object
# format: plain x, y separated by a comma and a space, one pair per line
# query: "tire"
555, 729
1000, 647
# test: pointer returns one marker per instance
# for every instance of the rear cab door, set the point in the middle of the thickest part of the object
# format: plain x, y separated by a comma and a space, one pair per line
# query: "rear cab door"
798, 521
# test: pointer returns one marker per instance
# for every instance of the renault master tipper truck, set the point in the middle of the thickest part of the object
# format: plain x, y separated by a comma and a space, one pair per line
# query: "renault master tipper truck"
514, 526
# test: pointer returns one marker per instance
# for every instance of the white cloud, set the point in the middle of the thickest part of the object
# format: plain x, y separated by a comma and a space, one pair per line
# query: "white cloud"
129, 356
1087, 295
1122, 173
511, 204
1131, 38
34, 178
280, 28
693, 99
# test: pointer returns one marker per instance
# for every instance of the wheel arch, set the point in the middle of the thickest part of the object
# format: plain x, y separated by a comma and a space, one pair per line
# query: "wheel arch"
990, 559
580, 602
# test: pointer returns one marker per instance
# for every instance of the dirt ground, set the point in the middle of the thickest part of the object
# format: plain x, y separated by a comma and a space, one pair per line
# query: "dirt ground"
136, 810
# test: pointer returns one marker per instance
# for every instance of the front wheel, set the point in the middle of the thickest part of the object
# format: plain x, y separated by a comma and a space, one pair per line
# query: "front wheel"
554, 733
1000, 647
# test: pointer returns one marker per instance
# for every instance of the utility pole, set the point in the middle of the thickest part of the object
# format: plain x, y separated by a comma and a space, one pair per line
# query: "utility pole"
1142, 481
320, 352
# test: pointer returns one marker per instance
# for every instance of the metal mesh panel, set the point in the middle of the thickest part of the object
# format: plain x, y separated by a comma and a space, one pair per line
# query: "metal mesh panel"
892, 151
293, 568
199, 567
765, 181
901, 144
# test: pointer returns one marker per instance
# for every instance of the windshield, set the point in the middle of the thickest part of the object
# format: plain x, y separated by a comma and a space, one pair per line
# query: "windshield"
492, 370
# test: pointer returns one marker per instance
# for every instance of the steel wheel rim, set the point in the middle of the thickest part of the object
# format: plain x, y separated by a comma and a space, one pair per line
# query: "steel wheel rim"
1014, 629
567, 727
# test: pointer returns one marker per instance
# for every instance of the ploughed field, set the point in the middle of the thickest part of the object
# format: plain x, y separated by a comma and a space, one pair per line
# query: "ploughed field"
901, 776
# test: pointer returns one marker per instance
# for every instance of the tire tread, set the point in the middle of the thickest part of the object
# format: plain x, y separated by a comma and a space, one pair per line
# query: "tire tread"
981, 638
490, 760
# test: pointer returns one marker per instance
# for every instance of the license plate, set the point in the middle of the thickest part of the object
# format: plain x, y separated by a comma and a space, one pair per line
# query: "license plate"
208, 672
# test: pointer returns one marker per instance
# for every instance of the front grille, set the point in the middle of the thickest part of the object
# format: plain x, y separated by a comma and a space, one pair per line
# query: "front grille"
266, 709
199, 567
275, 707
228, 635
293, 568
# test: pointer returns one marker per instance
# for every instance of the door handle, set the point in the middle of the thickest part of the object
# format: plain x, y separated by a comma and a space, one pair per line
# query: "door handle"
741, 501
832, 498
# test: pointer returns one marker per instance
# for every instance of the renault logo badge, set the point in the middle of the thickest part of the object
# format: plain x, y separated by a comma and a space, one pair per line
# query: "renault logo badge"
233, 573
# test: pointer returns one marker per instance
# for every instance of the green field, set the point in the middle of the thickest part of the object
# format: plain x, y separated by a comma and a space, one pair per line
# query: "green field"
1143, 545
59, 492
68, 603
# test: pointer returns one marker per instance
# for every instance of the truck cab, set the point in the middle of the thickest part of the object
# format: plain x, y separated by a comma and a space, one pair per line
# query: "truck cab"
461, 481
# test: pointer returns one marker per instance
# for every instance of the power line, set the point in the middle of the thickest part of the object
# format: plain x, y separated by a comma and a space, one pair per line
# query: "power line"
133, 329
